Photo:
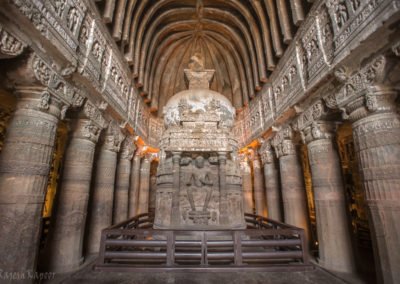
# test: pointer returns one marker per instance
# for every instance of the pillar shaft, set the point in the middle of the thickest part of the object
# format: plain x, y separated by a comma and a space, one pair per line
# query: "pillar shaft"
122, 182
259, 192
377, 147
292, 181
293, 191
247, 186
144, 186
25, 163
223, 200
103, 194
335, 249
175, 214
134, 186
65, 242
271, 179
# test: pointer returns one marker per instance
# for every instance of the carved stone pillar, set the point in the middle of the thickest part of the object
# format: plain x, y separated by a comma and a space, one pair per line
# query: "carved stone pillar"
376, 130
175, 214
134, 185
144, 185
122, 181
65, 243
25, 163
247, 185
335, 250
223, 203
259, 191
271, 179
103, 188
292, 180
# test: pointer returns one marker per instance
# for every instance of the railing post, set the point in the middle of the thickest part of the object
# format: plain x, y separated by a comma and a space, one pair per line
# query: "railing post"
101, 259
237, 247
304, 247
170, 248
204, 260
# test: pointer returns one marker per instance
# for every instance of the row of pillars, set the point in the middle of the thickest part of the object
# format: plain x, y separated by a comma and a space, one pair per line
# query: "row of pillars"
97, 171
280, 194
376, 133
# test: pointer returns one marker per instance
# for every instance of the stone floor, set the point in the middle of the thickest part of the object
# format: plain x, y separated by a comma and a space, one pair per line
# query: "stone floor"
88, 276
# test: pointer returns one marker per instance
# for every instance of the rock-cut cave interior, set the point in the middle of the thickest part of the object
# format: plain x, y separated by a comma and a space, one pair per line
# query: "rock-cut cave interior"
200, 141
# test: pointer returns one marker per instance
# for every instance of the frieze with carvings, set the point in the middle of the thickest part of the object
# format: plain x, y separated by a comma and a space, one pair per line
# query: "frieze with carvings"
142, 118
254, 118
286, 85
95, 53
325, 34
350, 17
116, 83
156, 129
312, 56
59, 23
238, 130
268, 105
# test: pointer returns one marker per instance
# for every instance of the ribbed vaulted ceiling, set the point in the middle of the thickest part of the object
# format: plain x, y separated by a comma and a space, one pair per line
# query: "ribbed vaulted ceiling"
241, 39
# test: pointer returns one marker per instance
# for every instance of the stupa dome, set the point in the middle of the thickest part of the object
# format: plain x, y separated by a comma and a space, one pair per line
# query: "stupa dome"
199, 103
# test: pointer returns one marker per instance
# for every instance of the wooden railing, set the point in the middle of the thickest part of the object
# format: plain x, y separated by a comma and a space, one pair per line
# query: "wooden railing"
265, 245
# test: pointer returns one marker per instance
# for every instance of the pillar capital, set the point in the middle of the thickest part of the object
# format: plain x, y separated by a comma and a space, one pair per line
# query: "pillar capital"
365, 92
85, 129
38, 98
284, 142
128, 148
33, 71
318, 130
266, 152
93, 113
113, 138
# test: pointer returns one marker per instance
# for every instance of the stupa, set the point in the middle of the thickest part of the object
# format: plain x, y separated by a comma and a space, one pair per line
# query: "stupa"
199, 184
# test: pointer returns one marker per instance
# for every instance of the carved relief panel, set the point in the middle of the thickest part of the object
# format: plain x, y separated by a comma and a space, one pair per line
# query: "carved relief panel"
142, 119
253, 118
286, 86
268, 103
